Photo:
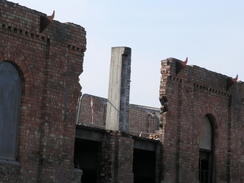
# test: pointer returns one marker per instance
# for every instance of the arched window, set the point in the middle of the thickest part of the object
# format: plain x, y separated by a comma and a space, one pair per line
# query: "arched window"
206, 152
10, 95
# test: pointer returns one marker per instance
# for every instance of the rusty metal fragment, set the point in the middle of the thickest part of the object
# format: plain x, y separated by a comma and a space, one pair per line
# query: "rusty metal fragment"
45, 21
230, 82
180, 65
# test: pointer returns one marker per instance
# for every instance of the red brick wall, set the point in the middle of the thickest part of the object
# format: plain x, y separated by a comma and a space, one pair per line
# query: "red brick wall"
121, 158
141, 119
50, 64
93, 115
193, 93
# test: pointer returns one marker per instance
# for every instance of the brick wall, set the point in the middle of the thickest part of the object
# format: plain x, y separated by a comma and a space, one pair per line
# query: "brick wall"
142, 120
106, 159
49, 64
93, 110
192, 93
121, 158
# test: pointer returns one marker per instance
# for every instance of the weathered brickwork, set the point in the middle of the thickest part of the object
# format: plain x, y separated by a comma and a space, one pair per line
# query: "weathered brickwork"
49, 63
116, 160
122, 158
192, 93
93, 110
49, 59
106, 159
143, 120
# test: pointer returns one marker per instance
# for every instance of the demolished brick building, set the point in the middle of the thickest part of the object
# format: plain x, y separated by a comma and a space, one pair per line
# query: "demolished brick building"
203, 129
199, 137
115, 134
40, 63
195, 136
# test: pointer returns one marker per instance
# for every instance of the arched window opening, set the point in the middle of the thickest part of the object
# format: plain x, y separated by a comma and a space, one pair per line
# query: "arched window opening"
10, 96
206, 152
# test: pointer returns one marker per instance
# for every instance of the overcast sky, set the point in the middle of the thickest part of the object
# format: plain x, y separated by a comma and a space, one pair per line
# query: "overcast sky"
209, 32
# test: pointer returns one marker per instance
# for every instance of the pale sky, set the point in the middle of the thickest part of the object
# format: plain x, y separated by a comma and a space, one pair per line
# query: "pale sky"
209, 32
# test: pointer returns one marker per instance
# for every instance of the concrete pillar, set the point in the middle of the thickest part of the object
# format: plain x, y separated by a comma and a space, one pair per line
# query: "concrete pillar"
119, 90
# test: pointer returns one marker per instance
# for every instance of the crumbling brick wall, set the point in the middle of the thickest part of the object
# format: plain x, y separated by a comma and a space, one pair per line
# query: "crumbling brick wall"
142, 120
93, 111
192, 93
49, 63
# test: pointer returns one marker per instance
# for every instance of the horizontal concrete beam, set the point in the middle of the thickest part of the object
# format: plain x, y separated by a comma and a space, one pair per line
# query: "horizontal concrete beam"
144, 145
87, 134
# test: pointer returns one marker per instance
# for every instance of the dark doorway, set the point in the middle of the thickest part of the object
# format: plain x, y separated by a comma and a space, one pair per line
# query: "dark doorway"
87, 158
144, 163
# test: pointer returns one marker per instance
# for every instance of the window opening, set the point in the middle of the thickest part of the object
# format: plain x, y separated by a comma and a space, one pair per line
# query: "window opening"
206, 152
10, 96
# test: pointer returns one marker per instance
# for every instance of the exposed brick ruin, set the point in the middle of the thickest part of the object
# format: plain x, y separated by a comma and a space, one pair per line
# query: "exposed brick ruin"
192, 93
49, 64
121, 135
189, 94
142, 119
151, 146
118, 152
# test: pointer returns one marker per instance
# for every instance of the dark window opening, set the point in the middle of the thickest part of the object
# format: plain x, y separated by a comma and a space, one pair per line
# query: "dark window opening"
205, 165
205, 173
144, 163
87, 158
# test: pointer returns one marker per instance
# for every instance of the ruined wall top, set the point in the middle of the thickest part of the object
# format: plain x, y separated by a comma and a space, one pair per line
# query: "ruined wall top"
189, 95
201, 77
28, 22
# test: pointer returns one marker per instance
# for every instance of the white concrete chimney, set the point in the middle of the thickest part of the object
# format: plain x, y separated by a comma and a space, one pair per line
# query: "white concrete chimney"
119, 90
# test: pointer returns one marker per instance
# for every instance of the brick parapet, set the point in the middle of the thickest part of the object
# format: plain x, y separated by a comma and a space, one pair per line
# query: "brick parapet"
26, 22
200, 77
143, 120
